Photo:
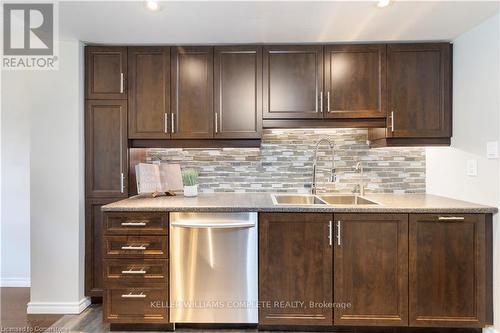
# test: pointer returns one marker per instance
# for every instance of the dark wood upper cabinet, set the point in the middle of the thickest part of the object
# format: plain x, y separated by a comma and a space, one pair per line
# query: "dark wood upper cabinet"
106, 148
448, 279
371, 269
238, 92
293, 81
149, 92
192, 93
419, 90
295, 264
355, 81
106, 72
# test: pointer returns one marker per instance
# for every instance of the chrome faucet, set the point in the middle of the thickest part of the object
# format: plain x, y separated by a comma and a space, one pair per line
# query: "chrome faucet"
359, 168
333, 176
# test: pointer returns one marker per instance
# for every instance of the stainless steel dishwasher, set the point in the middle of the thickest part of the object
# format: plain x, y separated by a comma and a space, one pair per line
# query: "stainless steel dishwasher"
213, 268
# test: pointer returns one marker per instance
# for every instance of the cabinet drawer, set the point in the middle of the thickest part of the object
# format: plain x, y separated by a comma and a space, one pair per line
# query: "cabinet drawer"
136, 223
135, 271
135, 246
136, 305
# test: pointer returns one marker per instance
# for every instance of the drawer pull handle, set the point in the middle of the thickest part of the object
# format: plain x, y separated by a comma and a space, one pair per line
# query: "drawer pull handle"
133, 247
130, 295
134, 223
131, 271
451, 218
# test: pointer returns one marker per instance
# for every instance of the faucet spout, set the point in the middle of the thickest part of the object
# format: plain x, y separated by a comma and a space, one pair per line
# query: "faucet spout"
333, 176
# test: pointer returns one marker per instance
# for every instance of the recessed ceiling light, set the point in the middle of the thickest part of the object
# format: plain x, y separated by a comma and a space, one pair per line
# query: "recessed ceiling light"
383, 3
152, 5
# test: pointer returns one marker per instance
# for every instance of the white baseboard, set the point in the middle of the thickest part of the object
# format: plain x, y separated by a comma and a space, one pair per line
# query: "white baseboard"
58, 308
15, 282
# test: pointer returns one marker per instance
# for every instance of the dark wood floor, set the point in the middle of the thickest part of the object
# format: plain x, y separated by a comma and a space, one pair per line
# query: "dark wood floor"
13, 315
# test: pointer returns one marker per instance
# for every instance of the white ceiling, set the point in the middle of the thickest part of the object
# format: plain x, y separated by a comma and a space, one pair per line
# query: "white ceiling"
210, 22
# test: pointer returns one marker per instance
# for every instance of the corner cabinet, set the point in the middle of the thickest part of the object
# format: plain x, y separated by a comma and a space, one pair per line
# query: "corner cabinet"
295, 269
419, 96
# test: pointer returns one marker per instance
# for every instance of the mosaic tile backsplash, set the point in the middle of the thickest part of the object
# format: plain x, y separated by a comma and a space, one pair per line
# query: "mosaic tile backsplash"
284, 164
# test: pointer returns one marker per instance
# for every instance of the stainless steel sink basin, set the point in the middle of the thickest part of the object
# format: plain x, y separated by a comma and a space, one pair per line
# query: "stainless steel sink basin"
296, 199
330, 199
346, 200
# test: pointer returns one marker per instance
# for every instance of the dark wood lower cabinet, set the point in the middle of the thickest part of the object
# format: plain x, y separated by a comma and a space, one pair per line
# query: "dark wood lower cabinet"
295, 269
135, 269
389, 270
147, 305
93, 245
449, 284
371, 269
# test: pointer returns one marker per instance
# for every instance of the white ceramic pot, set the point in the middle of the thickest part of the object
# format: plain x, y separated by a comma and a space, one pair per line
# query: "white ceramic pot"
191, 191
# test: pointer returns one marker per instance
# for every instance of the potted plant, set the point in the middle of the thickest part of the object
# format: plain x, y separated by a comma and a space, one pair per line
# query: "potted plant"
190, 181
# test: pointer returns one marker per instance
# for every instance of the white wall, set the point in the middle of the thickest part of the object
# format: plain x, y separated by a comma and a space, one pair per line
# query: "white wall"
42, 144
476, 120
57, 191
15, 132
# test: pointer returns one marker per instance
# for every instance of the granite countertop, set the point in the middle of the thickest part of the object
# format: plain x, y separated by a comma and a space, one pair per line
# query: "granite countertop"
262, 202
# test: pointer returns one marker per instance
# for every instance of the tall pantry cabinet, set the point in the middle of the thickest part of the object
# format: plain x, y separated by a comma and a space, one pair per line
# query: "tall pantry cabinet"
106, 154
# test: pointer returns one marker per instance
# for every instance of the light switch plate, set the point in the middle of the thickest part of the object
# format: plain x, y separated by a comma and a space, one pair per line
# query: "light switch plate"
492, 149
472, 168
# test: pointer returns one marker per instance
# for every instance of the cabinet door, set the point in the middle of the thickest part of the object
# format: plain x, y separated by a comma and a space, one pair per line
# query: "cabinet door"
238, 92
149, 92
371, 269
419, 90
93, 246
106, 148
106, 72
293, 81
192, 93
295, 269
355, 81
447, 270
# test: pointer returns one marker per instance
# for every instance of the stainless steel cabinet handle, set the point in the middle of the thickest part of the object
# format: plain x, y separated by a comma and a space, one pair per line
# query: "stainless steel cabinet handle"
132, 271
392, 121
328, 101
451, 218
330, 232
121, 83
122, 182
321, 101
134, 223
130, 295
172, 129
165, 123
339, 232
216, 122
133, 247
213, 225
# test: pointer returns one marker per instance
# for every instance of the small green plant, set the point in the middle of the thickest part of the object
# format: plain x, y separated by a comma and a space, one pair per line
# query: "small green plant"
190, 177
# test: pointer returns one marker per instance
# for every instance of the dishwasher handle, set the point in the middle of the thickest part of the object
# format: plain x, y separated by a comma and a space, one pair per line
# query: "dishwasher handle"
228, 225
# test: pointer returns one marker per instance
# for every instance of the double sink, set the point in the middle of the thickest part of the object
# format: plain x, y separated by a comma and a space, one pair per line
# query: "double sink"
330, 199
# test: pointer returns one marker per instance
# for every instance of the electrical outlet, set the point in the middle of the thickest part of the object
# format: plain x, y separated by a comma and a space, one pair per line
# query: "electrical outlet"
472, 168
492, 149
